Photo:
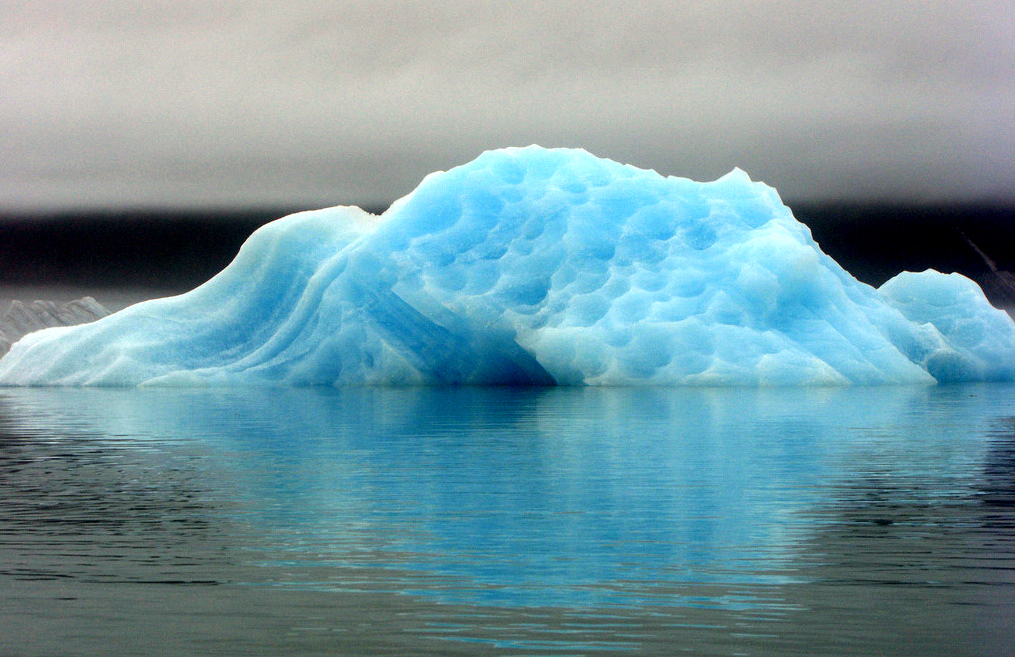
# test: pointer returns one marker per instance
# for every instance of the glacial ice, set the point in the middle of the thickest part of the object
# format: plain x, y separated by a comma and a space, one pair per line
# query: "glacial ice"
539, 266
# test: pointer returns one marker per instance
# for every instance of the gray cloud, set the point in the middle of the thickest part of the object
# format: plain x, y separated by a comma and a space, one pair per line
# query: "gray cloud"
174, 103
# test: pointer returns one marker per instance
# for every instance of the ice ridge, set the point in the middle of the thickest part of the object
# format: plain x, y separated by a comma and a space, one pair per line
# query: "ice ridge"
532, 266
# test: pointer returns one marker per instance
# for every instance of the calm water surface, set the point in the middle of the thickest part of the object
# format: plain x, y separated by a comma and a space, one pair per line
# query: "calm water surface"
484, 521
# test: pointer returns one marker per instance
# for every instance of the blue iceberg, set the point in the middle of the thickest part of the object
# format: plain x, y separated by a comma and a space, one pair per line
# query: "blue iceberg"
532, 266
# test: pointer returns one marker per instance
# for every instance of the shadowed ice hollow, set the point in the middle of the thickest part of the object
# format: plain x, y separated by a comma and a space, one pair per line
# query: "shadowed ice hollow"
536, 266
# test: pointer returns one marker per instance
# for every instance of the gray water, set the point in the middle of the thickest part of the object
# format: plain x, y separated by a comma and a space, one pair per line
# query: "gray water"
863, 521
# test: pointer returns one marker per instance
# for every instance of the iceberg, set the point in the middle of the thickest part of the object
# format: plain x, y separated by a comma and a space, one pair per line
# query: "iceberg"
533, 266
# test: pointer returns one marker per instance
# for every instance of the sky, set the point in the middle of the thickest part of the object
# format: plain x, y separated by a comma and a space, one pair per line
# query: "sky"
307, 104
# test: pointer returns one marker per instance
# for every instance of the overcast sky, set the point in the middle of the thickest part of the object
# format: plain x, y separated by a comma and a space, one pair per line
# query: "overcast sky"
309, 104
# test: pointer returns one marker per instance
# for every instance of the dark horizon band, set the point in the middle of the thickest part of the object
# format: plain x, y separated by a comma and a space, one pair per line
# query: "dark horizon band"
182, 249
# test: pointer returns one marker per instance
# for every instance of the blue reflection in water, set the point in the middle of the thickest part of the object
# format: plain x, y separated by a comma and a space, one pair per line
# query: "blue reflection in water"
563, 497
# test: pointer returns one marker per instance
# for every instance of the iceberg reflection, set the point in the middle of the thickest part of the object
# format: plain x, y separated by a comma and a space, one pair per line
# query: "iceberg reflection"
563, 497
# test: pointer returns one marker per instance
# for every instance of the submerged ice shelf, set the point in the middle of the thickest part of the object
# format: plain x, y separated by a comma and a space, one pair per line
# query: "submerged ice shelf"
538, 266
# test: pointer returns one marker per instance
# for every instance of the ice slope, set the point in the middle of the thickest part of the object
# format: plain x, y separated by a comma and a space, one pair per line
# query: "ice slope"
537, 266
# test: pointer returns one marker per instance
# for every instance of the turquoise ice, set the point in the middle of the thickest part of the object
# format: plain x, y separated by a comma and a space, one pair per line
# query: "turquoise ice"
539, 266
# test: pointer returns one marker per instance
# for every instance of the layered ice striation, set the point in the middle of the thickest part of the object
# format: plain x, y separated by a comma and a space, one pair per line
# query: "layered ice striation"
536, 266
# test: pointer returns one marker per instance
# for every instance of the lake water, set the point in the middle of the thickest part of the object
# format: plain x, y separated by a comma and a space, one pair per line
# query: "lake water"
858, 521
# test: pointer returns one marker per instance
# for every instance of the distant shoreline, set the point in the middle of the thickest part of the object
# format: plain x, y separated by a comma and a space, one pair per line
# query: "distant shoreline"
113, 299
